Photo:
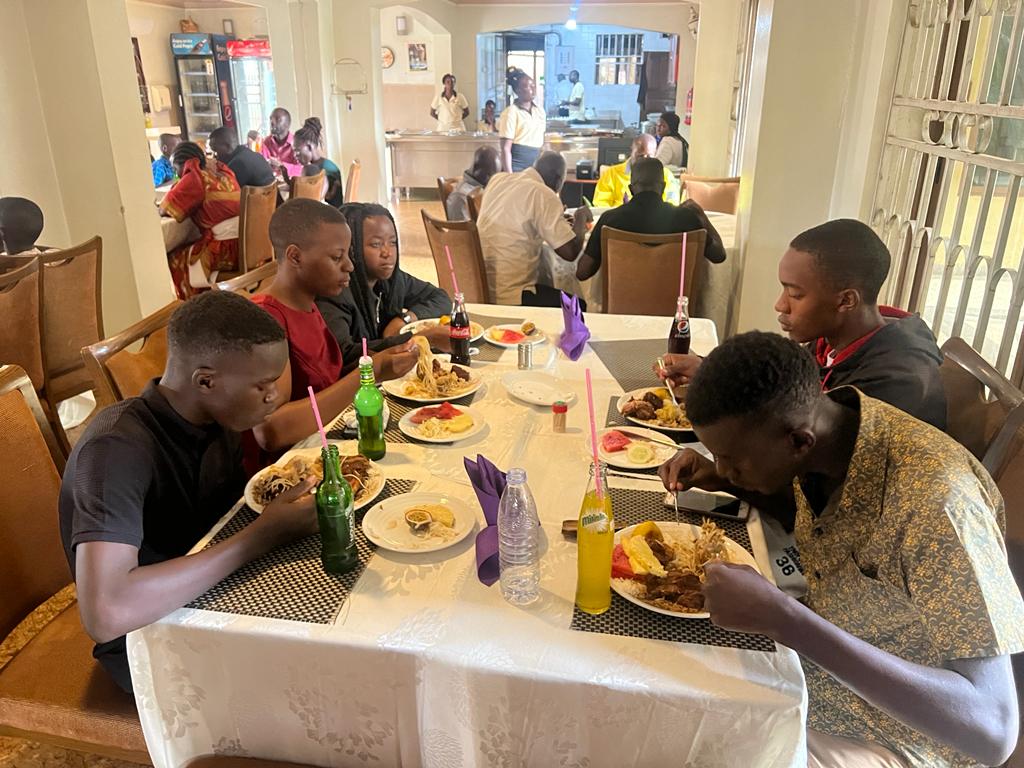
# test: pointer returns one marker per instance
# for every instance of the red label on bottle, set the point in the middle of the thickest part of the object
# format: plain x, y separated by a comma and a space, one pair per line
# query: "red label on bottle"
459, 333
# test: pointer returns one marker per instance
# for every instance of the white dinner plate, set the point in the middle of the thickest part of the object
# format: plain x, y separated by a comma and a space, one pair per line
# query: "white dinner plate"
662, 453
537, 337
385, 524
737, 554
639, 393
412, 430
374, 486
348, 416
475, 329
394, 386
537, 388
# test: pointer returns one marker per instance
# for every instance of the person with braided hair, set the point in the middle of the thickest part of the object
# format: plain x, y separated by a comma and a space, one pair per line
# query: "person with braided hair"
308, 143
380, 298
522, 124
208, 193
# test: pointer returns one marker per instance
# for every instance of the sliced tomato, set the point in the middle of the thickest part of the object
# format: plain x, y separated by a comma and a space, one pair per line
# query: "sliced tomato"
621, 569
447, 411
614, 441
444, 411
509, 336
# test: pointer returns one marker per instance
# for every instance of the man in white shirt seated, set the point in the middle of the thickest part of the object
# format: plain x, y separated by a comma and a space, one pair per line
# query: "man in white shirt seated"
21, 223
519, 213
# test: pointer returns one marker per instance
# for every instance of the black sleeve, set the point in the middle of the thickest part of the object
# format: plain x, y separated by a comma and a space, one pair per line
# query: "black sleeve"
339, 315
420, 297
593, 248
913, 386
695, 218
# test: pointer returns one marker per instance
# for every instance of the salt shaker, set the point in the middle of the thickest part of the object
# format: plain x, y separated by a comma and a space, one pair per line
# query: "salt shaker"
525, 355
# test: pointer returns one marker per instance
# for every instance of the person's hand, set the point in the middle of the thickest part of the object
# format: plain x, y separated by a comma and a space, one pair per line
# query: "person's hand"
583, 215
688, 469
291, 515
274, 163
394, 327
439, 337
742, 600
395, 362
679, 369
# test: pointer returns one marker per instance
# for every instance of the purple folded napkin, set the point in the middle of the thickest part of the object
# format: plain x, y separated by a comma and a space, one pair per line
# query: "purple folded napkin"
576, 333
489, 483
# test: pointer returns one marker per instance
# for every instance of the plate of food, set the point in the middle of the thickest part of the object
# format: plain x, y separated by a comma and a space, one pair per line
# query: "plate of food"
660, 566
444, 423
434, 379
365, 477
639, 449
512, 334
475, 329
652, 407
537, 388
419, 522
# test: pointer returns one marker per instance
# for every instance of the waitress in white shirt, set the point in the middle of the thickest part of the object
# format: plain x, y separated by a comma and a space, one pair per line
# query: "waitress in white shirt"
672, 148
521, 126
449, 108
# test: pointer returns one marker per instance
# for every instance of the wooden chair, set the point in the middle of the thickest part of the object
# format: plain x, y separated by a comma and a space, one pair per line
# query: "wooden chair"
355, 170
311, 187
7, 263
463, 241
118, 372
254, 246
473, 201
978, 398
251, 282
21, 308
711, 193
445, 186
641, 272
72, 317
51, 689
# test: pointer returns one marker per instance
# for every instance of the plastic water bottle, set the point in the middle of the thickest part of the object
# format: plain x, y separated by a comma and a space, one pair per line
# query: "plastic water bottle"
518, 541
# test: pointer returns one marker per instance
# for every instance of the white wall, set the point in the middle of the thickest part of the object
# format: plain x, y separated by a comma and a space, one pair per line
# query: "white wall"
716, 43
421, 29
152, 26
248, 22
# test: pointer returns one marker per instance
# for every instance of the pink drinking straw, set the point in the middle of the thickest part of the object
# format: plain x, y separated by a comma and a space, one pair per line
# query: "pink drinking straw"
316, 414
682, 267
593, 437
451, 267
364, 346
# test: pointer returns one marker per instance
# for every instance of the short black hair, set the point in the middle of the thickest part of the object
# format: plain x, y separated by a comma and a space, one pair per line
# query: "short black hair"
752, 374
849, 254
220, 321
188, 150
21, 223
225, 134
647, 175
295, 222
490, 103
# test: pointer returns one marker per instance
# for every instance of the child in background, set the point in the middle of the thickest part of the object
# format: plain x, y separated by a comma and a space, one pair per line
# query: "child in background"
163, 168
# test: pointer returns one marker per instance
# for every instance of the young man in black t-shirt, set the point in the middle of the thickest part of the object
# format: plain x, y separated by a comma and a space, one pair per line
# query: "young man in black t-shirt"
152, 474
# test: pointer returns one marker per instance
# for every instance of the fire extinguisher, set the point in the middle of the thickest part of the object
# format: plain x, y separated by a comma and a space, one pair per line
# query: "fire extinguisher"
689, 107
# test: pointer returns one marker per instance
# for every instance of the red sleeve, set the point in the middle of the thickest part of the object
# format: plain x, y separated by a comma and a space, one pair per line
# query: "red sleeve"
271, 309
185, 197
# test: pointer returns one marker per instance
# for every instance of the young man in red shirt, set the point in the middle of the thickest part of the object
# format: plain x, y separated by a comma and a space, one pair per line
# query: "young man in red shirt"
311, 242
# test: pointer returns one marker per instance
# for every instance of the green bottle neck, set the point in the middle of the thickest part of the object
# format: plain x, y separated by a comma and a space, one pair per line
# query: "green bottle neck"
332, 464
366, 377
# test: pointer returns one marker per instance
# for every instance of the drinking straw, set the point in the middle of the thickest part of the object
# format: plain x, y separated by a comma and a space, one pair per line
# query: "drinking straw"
364, 346
451, 267
316, 414
682, 266
593, 437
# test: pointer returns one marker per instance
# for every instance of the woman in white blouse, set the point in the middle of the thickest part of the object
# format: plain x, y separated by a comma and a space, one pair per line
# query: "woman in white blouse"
449, 108
522, 125
672, 148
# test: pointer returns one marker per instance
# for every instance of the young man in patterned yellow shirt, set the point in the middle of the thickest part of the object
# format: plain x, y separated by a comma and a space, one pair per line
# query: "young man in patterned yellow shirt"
911, 611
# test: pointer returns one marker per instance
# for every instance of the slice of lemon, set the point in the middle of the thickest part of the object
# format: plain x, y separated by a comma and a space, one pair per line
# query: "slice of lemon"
640, 453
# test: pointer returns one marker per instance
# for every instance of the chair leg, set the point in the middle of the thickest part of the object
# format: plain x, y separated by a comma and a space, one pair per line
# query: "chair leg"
53, 416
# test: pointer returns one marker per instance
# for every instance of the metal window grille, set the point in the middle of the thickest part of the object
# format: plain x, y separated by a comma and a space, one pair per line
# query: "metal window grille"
618, 59
949, 185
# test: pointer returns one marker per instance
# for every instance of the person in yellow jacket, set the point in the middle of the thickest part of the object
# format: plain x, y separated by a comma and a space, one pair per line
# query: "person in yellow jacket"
613, 186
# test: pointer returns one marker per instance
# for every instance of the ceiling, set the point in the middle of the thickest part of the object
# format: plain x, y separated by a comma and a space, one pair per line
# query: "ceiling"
566, 3
198, 5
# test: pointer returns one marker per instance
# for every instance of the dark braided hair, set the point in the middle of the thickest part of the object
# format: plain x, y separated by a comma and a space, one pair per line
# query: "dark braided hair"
311, 132
513, 77
672, 121
366, 302
188, 150
755, 375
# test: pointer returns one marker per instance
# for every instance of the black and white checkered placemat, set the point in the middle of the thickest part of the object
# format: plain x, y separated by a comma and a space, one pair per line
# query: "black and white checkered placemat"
290, 582
624, 618
616, 419
629, 362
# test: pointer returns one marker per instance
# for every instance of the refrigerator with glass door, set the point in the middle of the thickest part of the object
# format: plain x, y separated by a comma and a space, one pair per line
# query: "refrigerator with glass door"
204, 79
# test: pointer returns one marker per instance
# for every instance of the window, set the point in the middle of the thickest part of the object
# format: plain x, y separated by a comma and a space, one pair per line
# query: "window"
949, 199
619, 58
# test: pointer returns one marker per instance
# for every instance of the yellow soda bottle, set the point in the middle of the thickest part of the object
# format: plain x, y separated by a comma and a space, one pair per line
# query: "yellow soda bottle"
594, 542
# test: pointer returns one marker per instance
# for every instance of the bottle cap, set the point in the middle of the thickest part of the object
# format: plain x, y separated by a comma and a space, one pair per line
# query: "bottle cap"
365, 360
559, 407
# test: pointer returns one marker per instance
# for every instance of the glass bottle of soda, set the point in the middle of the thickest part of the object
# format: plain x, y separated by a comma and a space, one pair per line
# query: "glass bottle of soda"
335, 512
459, 331
595, 537
679, 334
369, 407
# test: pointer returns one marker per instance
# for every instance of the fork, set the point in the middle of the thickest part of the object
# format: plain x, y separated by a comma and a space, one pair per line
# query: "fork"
670, 387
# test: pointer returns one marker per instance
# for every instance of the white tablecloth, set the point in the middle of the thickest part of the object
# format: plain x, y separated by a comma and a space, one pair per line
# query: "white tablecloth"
425, 666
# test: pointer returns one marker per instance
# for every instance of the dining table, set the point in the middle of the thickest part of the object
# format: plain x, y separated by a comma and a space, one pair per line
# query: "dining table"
414, 661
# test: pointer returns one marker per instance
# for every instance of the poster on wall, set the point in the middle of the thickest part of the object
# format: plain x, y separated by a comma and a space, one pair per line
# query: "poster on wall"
417, 57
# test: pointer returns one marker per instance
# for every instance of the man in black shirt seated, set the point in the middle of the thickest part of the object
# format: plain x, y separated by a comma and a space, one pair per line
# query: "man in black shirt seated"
152, 474
647, 213
251, 169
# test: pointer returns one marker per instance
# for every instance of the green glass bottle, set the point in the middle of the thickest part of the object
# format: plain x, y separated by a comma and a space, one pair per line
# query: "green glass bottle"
369, 406
335, 511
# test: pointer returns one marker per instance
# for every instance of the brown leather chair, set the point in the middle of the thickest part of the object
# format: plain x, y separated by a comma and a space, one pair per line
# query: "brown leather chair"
463, 241
118, 372
72, 317
445, 186
251, 282
254, 246
355, 170
51, 689
641, 272
719, 194
473, 201
978, 397
311, 187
